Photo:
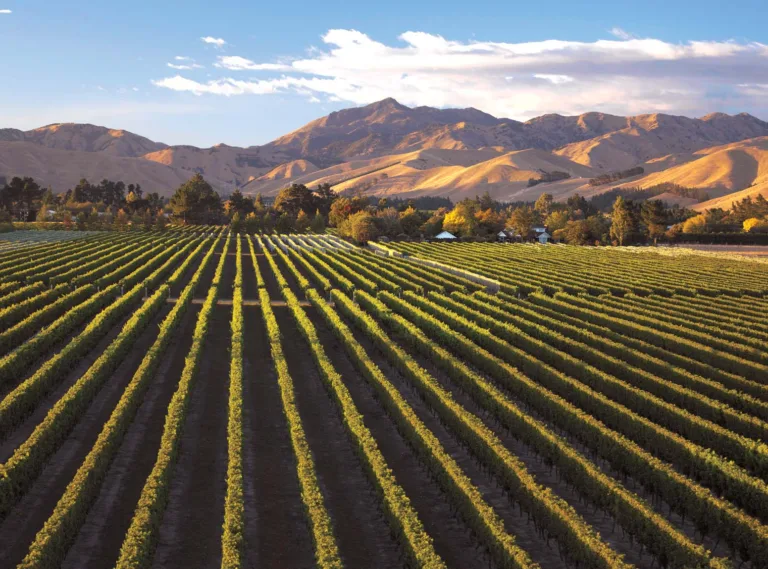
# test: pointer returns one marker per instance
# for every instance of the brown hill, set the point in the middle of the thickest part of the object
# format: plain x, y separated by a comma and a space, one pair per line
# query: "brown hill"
445, 172
227, 167
720, 169
84, 138
647, 137
62, 169
388, 148
725, 202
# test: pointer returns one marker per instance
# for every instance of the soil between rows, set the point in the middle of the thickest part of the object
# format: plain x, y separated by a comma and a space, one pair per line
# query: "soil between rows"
277, 533
190, 533
360, 525
101, 536
23, 522
453, 538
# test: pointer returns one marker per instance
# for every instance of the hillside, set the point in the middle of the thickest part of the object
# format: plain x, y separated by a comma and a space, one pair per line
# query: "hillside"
724, 202
647, 137
386, 148
62, 169
720, 170
84, 138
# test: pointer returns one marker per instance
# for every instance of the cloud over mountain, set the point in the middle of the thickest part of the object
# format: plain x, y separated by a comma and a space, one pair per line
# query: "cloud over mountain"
623, 75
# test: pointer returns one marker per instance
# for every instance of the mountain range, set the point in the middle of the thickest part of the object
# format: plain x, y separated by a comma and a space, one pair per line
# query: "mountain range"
388, 149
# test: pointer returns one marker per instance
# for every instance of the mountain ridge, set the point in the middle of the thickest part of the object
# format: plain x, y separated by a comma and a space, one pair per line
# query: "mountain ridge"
380, 136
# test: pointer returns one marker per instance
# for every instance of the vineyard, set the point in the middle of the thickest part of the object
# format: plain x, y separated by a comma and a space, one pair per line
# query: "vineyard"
195, 398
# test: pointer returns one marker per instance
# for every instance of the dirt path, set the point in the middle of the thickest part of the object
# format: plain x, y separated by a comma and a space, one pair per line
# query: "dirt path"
546, 475
207, 278
269, 277
190, 534
452, 537
23, 522
99, 540
360, 526
276, 529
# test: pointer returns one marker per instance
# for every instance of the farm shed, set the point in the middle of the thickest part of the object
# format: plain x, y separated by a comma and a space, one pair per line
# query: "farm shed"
544, 237
445, 235
507, 235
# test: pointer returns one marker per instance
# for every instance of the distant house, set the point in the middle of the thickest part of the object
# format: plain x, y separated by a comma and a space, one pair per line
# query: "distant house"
445, 236
544, 237
507, 236
539, 229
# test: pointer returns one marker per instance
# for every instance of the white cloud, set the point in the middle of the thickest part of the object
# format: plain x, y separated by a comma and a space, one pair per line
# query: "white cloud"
6, 11
554, 79
184, 66
237, 63
216, 42
624, 76
182, 58
621, 33
225, 87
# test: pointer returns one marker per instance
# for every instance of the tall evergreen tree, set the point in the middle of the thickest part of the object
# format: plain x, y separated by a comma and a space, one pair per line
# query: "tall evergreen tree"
622, 223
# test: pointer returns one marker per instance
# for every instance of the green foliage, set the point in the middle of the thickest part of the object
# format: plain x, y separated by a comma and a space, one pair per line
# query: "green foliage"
326, 550
622, 223
196, 202
318, 223
140, 541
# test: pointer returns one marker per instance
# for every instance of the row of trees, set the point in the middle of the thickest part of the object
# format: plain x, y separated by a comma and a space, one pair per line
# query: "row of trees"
747, 215
298, 208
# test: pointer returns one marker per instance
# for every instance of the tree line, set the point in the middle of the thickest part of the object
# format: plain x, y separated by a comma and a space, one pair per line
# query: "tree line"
620, 216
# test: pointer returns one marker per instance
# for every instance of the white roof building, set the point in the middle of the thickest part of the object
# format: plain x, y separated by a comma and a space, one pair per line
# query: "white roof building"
445, 235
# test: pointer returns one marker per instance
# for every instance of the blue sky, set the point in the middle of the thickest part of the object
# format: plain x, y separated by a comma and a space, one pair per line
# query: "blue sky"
144, 66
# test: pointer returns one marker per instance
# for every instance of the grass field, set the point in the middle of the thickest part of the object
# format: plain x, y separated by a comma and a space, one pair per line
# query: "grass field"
198, 399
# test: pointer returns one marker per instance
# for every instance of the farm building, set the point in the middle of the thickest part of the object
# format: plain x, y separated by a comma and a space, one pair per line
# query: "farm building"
445, 236
544, 237
507, 236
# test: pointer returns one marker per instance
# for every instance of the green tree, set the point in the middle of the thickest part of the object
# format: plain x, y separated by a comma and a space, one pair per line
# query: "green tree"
556, 220
196, 202
696, 224
361, 227
267, 222
284, 224
410, 221
489, 222
160, 220
574, 233
258, 204
252, 223
318, 223
19, 197
238, 203
652, 215
434, 224
543, 205
236, 224
295, 198
579, 207
522, 220
343, 207
622, 223
461, 219
302, 222
388, 222
324, 198
486, 202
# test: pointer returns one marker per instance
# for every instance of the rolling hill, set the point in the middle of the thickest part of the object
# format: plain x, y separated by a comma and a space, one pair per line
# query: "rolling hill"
389, 149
